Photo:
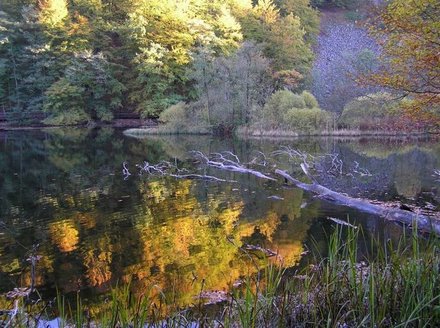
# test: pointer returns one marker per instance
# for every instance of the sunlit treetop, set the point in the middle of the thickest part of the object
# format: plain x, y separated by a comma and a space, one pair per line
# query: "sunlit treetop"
52, 12
267, 11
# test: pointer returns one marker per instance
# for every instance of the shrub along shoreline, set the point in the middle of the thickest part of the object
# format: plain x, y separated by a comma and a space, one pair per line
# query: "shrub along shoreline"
289, 114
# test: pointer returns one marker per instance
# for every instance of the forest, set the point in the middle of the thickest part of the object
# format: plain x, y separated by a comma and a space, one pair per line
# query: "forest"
219, 163
218, 66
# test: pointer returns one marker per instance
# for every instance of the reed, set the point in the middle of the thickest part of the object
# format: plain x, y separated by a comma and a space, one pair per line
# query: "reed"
393, 285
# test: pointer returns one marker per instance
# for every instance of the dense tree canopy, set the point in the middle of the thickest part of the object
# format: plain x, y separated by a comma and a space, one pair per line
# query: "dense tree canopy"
81, 60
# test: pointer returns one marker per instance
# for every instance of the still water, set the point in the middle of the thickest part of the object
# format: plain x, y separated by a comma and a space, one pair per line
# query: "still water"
64, 198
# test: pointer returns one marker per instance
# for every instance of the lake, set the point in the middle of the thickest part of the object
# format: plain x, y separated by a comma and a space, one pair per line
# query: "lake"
64, 198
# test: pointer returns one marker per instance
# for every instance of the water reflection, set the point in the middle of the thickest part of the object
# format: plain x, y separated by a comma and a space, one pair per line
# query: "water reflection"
63, 189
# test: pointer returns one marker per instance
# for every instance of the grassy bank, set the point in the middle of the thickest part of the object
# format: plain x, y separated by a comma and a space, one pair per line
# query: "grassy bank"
394, 285
162, 130
254, 132
276, 133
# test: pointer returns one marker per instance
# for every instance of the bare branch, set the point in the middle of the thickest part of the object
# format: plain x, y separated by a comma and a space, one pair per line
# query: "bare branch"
165, 168
361, 171
13, 313
220, 162
125, 172
292, 153
227, 161
423, 222
337, 164
233, 155
260, 160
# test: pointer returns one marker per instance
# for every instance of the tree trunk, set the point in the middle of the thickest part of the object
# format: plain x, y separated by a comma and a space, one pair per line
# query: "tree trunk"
423, 222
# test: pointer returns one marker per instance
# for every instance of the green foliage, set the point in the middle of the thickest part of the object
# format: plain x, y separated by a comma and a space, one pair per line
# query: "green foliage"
279, 103
52, 13
155, 88
296, 101
370, 112
289, 49
309, 99
64, 104
7, 92
354, 15
3, 81
137, 54
35, 57
287, 34
91, 92
181, 118
308, 120
286, 110
163, 35
365, 62
88, 8
231, 87
308, 16
175, 116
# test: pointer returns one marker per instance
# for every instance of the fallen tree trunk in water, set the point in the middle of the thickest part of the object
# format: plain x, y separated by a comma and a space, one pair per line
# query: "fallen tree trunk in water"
423, 222
228, 161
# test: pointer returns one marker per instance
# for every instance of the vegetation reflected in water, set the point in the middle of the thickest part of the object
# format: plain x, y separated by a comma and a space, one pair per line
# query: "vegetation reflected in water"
64, 190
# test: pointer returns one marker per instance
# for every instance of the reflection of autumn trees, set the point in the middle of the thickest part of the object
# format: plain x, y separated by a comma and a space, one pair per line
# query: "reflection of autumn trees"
97, 259
44, 267
64, 234
171, 240
290, 224
95, 229
188, 248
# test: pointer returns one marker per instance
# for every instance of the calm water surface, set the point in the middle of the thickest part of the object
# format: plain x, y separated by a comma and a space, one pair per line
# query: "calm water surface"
62, 193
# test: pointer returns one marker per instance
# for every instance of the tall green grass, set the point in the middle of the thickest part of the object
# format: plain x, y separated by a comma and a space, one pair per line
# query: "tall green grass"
395, 285
391, 285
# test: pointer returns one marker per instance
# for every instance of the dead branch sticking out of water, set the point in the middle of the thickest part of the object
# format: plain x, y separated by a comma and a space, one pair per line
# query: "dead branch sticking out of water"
222, 162
227, 161
423, 222
166, 168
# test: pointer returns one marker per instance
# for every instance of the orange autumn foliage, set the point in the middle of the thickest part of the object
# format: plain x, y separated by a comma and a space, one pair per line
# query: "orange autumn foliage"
409, 33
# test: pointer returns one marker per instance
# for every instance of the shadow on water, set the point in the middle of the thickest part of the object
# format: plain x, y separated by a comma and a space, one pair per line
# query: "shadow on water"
63, 189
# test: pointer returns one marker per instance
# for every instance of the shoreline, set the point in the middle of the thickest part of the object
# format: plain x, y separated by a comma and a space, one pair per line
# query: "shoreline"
117, 123
281, 134
139, 128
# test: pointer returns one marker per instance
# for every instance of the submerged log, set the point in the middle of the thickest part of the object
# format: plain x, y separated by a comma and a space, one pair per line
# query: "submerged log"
423, 222
227, 161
